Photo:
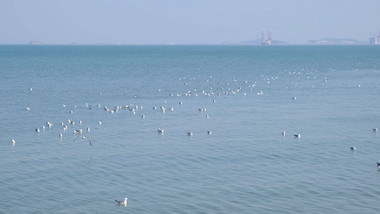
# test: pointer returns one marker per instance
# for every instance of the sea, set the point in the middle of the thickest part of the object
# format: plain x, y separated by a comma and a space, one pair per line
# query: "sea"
246, 129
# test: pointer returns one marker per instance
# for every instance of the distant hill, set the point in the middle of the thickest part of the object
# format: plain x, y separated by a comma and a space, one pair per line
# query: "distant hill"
333, 41
258, 42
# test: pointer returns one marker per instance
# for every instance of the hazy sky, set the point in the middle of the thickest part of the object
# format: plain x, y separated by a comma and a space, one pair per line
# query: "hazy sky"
184, 21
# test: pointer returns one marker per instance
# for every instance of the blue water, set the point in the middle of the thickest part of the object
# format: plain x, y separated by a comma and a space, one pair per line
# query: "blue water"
245, 166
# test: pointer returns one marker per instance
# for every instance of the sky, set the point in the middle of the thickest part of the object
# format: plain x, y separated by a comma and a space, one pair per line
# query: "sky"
184, 21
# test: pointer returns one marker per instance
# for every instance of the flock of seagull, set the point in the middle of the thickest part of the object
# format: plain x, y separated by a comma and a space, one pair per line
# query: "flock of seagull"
226, 89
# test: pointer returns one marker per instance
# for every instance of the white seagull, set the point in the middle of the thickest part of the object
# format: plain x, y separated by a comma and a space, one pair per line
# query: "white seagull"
78, 132
122, 202
83, 137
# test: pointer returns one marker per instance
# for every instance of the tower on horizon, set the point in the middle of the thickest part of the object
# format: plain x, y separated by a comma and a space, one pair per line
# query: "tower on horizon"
374, 39
266, 40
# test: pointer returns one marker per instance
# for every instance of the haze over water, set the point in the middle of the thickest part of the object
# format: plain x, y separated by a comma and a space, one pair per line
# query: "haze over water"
245, 166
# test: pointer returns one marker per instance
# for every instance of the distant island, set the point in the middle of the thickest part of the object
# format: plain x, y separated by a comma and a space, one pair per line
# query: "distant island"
259, 42
333, 41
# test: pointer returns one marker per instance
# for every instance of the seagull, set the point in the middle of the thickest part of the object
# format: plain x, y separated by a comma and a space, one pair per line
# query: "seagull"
375, 129
83, 137
297, 136
122, 202
294, 98
353, 148
88, 129
27, 108
378, 165
60, 135
37, 130
13, 141
160, 130
78, 132
100, 122
283, 133
209, 132
189, 134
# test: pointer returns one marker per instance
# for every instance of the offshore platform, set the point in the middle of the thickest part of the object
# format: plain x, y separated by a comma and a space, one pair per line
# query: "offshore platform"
266, 40
374, 39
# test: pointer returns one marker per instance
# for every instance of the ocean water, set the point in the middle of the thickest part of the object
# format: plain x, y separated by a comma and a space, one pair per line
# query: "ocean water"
245, 166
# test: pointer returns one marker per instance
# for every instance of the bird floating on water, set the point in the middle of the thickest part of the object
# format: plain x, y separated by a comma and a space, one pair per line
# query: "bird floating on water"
160, 131
118, 203
375, 129
283, 133
209, 132
297, 136
378, 165
189, 134
78, 132
13, 141
83, 137
353, 148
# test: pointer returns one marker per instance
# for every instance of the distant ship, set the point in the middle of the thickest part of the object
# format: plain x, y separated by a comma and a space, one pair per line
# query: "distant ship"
266, 40
35, 43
